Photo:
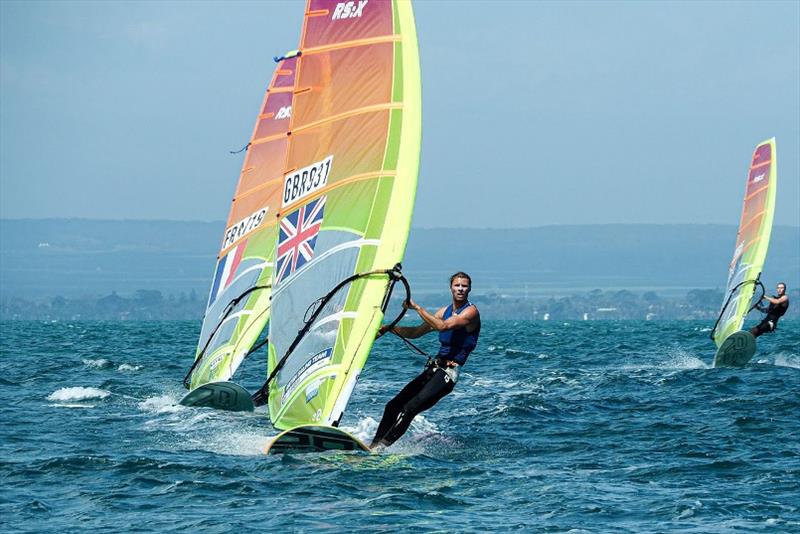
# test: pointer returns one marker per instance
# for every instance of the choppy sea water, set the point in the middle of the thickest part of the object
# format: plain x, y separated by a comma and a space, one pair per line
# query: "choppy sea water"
553, 427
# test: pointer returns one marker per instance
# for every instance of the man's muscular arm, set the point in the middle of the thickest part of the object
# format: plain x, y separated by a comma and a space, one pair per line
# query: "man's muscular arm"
409, 332
436, 322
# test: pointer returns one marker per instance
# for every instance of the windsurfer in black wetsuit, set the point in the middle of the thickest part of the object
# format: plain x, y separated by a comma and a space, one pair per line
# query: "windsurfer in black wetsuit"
778, 304
459, 326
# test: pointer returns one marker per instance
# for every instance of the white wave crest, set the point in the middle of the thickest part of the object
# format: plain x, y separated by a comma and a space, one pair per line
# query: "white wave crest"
364, 430
126, 367
420, 425
522, 352
235, 443
178, 427
78, 393
421, 437
161, 404
687, 511
96, 364
681, 359
414, 441
783, 360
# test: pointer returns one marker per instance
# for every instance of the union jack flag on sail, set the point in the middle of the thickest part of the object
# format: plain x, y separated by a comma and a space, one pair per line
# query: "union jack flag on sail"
297, 237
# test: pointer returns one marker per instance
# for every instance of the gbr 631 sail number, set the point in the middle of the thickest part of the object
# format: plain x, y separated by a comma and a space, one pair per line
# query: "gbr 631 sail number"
302, 182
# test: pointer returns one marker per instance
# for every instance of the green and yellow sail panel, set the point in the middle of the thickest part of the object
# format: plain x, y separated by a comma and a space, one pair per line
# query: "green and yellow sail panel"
752, 240
346, 201
238, 306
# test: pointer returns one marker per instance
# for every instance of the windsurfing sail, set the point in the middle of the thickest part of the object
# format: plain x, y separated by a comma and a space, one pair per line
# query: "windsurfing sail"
238, 305
752, 241
347, 195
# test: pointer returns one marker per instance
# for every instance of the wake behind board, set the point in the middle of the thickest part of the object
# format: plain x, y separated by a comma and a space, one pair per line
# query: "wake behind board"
220, 395
736, 350
315, 438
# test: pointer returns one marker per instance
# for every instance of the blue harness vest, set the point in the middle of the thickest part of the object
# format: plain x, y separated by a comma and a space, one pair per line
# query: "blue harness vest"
457, 344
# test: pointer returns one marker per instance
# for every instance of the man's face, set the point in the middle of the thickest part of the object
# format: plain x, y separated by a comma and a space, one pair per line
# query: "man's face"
781, 289
460, 288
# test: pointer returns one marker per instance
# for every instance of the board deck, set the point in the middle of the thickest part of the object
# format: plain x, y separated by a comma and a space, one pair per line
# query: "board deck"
315, 438
220, 395
736, 350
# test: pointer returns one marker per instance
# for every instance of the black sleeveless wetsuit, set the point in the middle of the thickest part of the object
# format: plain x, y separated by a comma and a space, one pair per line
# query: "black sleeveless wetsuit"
436, 381
774, 312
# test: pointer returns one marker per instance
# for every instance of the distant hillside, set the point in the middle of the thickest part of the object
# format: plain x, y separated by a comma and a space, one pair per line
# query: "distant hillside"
600, 256
92, 257
74, 257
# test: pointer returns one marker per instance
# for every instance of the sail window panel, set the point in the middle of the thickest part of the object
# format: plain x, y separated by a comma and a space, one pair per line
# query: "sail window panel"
313, 346
739, 273
290, 304
749, 240
245, 277
750, 254
332, 21
275, 115
356, 144
342, 81
221, 338
264, 162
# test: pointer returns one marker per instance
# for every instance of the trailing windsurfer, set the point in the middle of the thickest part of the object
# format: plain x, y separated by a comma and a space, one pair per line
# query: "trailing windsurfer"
778, 304
459, 326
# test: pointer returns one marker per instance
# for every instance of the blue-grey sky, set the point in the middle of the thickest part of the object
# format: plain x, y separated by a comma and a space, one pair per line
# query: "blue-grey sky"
534, 113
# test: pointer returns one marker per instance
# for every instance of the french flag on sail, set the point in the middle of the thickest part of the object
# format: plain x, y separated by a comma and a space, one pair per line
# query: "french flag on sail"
226, 271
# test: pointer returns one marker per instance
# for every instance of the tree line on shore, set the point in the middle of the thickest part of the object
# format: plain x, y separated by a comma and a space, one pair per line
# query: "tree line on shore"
697, 304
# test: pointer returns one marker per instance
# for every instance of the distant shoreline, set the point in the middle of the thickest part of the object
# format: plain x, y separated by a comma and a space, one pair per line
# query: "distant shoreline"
92, 258
696, 304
